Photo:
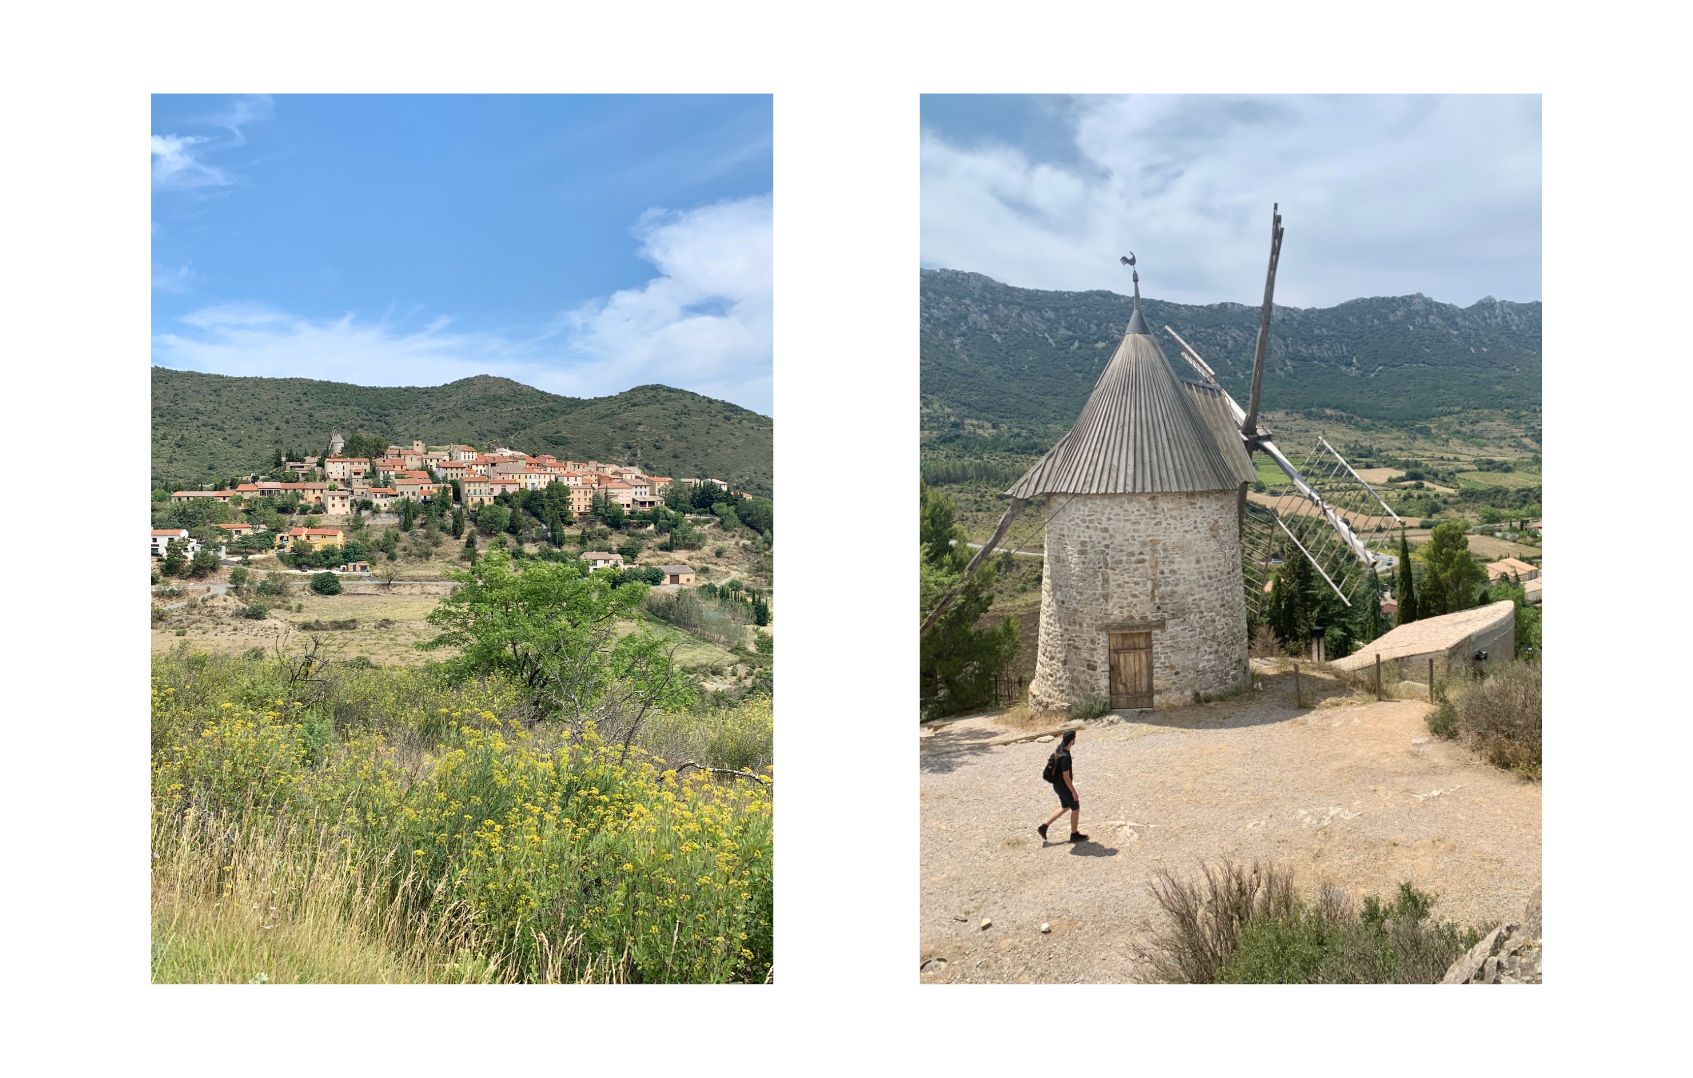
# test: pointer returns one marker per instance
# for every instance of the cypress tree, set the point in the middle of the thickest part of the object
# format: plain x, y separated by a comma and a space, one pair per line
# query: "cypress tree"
1407, 587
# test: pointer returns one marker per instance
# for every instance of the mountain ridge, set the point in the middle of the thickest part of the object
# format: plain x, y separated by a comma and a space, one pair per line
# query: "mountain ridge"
1023, 361
209, 427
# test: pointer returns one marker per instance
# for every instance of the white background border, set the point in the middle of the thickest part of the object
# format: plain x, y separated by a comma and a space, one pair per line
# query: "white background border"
847, 80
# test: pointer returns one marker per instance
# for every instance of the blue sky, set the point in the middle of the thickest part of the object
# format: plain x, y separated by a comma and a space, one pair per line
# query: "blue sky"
1380, 194
579, 244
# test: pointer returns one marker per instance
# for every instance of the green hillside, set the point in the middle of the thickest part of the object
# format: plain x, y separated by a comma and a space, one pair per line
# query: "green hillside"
208, 427
1008, 369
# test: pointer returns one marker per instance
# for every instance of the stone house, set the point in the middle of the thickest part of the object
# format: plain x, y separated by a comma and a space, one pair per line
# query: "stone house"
1512, 567
317, 537
475, 490
677, 574
220, 496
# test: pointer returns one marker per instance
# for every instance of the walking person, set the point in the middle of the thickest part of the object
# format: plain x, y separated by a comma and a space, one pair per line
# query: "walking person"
1058, 772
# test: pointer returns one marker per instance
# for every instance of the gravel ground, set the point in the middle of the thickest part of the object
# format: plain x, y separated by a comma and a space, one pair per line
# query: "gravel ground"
1351, 793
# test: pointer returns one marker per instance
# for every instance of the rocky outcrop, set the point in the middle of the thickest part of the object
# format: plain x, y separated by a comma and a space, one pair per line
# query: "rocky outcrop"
1510, 954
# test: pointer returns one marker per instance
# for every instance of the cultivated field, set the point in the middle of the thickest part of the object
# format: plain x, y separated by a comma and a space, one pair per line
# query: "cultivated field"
1351, 792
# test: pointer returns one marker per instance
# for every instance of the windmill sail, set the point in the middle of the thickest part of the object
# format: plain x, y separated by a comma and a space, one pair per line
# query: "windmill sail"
1325, 513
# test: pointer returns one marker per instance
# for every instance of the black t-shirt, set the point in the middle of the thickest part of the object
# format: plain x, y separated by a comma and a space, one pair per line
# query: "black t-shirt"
1062, 759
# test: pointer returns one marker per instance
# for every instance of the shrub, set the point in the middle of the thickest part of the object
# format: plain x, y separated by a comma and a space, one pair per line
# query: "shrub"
434, 830
1090, 707
1443, 720
182, 632
326, 584
255, 612
1498, 716
1247, 926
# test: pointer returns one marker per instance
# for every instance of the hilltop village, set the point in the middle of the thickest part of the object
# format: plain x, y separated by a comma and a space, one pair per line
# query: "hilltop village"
365, 540
315, 505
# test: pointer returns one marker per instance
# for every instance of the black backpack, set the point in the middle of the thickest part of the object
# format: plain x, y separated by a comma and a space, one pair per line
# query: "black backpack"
1050, 772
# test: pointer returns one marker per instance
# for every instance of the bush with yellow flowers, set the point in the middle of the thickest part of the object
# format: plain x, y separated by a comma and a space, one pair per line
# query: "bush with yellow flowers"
555, 856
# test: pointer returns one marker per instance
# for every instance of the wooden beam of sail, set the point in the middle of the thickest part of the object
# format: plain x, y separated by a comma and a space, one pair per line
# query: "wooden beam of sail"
1011, 514
1268, 447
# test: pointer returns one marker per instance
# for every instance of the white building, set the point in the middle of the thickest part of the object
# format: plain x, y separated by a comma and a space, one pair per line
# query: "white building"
163, 536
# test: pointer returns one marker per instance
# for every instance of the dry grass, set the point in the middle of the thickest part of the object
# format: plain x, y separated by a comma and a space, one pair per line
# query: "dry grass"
1204, 919
263, 906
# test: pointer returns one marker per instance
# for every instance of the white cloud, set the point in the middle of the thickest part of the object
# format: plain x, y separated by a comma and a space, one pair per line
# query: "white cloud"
166, 279
1380, 195
181, 162
240, 112
702, 323
178, 164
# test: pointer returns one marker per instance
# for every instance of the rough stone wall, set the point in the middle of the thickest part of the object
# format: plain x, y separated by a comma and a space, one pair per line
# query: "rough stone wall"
1118, 558
1510, 954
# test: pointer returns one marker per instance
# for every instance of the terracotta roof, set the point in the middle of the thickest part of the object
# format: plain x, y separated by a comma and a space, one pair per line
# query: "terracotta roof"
1509, 567
669, 569
601, 555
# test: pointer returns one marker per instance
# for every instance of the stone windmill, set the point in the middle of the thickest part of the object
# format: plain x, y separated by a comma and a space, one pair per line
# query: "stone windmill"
1154, 553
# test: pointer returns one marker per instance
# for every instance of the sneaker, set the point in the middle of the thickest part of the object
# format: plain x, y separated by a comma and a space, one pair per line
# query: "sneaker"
1042, 830
1077, 836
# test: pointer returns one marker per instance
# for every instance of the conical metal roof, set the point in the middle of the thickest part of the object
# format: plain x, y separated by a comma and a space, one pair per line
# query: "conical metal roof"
1141, 432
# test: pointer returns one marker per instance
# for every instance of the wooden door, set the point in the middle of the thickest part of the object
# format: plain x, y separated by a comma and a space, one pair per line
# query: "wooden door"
1131, 670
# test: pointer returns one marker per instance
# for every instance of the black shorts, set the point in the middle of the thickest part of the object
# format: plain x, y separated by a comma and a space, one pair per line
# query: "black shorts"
1066, 799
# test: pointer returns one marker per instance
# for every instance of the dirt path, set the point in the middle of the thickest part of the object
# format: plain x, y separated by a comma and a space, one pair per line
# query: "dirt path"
1359, 796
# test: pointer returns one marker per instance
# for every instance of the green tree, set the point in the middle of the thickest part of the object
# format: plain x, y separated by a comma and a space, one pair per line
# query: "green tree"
958, 660
458, 521
469, 546
553, 628
1451, 579
326, 584
1291, 613
757, 514
1407, 596
408, 513
176, 558
204, 562
1527, 615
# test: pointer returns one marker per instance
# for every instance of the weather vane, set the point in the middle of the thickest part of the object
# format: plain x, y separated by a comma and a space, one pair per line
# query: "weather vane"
1129, 261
